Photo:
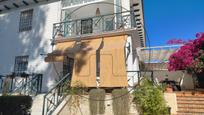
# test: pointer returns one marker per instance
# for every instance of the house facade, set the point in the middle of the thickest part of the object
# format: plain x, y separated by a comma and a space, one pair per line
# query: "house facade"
93, 40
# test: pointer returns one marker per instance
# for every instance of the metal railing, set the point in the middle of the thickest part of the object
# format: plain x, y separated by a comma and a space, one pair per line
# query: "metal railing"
55, 96
30, 87
30, 84
135, 77
95, 25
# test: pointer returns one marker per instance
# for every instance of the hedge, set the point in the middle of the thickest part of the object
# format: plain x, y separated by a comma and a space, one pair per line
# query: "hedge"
15, 105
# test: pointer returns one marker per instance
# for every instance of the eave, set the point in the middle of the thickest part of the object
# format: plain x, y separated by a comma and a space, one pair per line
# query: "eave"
8, 5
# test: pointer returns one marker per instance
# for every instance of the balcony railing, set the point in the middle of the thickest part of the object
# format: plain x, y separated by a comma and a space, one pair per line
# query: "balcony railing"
67, 3
95, 25
23, 84
54, 97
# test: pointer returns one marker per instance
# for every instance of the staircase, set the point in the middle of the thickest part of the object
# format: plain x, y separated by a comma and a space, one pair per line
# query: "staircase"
190, 103
55, 96
37, 105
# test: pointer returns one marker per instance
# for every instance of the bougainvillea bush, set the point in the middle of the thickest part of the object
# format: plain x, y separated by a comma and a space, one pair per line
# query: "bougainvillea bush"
189, 57
175, 41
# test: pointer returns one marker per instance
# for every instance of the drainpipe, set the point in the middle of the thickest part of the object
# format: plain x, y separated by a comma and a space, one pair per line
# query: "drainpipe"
98, 64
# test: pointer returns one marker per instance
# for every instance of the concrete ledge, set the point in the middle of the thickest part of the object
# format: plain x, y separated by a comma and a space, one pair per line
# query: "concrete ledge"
171, 102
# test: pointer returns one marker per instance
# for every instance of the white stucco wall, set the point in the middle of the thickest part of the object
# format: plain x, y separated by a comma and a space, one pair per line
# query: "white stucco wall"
89, 9
33, 43
37, 41
132, 64
171, 101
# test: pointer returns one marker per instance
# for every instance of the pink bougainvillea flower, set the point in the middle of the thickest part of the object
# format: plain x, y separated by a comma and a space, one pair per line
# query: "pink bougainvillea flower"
190, 56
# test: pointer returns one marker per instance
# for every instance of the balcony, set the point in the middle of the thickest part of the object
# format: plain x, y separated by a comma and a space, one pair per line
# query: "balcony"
68, 3
115, 22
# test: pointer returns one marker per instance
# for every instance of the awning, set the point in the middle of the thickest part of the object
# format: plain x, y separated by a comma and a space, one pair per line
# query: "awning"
61, 50
159, 54
112, 62
84, 71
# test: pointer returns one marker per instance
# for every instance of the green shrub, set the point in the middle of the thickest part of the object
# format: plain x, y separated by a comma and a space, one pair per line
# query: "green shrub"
75, 94
15, 105
120, 102
96, 101
149, 99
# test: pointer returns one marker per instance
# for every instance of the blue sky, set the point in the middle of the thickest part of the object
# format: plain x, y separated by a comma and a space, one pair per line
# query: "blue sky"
168, 19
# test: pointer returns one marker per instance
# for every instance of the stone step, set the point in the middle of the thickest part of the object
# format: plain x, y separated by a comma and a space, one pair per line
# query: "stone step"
190, 103
190, 94
189, 99
191, 110
189, 113
193, 106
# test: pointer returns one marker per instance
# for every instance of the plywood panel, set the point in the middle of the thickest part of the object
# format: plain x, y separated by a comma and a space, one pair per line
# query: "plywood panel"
112, 65
84, 71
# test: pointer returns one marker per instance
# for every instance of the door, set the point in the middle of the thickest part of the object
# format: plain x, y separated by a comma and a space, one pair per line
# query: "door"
68, 64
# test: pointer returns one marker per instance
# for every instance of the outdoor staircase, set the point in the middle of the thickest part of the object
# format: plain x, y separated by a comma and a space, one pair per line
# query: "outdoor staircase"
54, 98
190, 103
37, 105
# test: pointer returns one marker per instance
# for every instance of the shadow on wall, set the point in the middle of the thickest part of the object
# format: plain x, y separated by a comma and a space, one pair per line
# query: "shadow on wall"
33, 43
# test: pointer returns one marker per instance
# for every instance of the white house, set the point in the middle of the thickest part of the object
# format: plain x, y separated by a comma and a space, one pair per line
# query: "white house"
26, 30
91, 39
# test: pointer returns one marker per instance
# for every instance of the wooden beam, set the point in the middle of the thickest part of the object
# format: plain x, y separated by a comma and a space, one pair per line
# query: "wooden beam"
16, 5
24, 2
139, 30
36, 1
137, 19
5, 6
136, 10
137, 15
138, 23
136, 4
139, 26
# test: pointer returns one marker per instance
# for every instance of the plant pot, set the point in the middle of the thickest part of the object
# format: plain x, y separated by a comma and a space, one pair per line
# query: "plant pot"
169, 90
199, 80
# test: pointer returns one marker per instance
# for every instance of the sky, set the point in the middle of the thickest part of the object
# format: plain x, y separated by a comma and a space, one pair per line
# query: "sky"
172, 19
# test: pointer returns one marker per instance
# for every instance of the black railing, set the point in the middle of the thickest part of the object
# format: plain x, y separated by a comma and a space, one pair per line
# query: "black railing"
55, 96
1, 82
95, 25
29, 84
30, 87
135, 77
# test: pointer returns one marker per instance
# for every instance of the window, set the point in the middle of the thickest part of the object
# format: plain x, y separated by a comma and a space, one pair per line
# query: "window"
68, 65
109, 25
86, 26
21, 64
26, 20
